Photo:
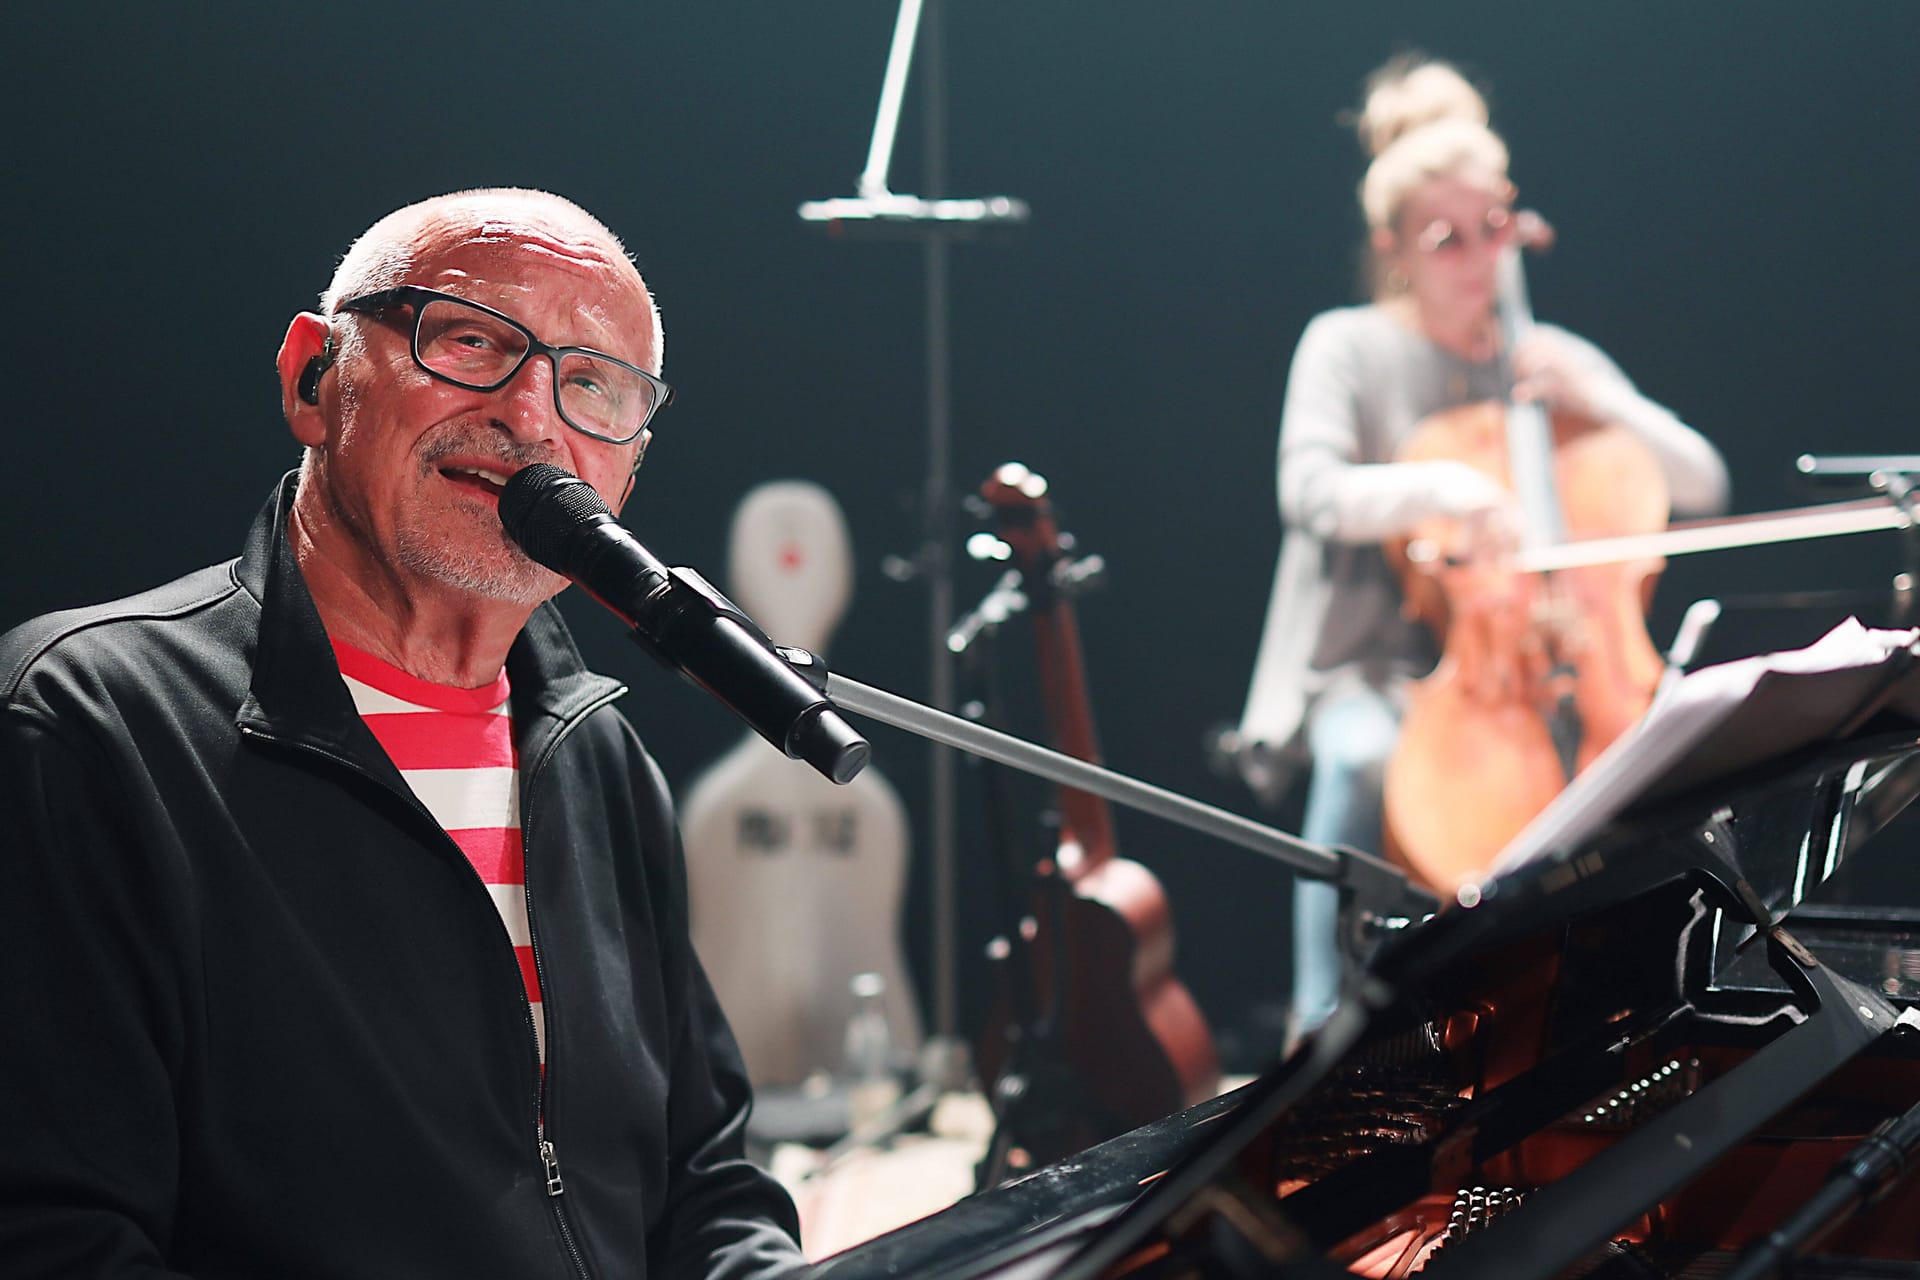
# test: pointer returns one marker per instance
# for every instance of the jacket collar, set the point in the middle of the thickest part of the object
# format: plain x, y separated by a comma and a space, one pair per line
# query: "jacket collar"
296, 689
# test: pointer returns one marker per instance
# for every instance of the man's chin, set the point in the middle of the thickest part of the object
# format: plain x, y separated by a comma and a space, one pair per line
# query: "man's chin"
505, 575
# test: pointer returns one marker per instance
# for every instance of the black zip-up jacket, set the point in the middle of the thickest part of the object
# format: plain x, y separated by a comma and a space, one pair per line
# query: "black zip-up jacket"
258, 1015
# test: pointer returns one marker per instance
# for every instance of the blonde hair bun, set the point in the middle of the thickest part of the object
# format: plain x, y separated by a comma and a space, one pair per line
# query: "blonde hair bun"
1423, 121
1412, 91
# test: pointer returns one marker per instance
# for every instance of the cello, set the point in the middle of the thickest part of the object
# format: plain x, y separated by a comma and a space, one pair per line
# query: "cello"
1119, 1024
1539, 671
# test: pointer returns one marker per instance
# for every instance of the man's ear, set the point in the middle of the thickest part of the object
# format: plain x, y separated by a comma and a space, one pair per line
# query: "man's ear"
305, 354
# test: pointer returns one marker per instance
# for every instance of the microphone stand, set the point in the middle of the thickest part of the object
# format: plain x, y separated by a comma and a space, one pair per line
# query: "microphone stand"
1898, 476
934, 221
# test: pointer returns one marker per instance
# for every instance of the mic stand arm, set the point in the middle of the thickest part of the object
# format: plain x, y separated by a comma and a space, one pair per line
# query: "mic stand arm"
1380, 894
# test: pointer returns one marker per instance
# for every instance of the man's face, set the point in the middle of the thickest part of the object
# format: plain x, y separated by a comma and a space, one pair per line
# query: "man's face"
404, 455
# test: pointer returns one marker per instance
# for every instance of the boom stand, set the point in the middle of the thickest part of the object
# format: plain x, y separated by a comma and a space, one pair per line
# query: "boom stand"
1375, 895
934, 222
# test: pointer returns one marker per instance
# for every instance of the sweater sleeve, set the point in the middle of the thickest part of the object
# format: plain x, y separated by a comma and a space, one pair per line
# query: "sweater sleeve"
1327, 487
1697, 483
89, 1166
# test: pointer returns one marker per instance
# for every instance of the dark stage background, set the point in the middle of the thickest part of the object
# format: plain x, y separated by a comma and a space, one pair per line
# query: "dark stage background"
1734, 186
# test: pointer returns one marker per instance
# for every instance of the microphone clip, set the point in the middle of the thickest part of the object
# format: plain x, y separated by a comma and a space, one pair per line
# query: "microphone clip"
768, 684
700, 599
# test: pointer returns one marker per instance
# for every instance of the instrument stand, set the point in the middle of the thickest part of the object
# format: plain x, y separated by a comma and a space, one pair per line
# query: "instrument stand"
935, 222
1038, 1099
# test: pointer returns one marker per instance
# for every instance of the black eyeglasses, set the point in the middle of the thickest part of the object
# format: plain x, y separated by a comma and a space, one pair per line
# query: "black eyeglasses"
482, 349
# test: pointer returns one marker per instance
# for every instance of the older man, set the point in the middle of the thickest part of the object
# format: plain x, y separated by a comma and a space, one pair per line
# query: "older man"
345, 921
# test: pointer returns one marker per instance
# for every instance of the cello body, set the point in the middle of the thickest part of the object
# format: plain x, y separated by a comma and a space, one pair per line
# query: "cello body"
1538, 672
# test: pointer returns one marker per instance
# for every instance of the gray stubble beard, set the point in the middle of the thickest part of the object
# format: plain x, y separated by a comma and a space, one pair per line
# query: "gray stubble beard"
505, 573
511, 576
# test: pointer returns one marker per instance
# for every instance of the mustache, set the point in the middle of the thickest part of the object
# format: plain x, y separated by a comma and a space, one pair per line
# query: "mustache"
468, 443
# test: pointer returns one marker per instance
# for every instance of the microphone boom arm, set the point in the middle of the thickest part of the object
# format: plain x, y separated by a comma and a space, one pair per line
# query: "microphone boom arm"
1380, 892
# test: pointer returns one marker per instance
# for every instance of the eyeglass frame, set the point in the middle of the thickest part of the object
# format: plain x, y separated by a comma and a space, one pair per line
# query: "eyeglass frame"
415, 296
1499, 225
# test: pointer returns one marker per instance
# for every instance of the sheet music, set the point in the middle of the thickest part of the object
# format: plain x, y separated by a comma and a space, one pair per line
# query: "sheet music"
1720, 719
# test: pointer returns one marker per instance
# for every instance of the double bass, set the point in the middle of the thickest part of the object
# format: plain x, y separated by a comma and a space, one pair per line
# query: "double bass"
1125, 1041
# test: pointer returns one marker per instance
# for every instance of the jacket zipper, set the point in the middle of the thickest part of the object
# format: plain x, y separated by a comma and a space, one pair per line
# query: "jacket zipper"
543, 1145
549, 1155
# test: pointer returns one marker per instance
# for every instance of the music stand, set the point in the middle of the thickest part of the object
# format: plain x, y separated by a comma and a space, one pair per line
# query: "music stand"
934, 220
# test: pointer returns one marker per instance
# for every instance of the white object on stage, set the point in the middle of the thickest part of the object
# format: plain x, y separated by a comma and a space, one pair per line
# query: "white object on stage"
795, 884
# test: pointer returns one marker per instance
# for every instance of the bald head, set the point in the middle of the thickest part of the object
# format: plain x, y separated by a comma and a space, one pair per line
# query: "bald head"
388, 251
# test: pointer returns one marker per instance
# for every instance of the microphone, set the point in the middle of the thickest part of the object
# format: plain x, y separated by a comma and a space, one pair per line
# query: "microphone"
559, 521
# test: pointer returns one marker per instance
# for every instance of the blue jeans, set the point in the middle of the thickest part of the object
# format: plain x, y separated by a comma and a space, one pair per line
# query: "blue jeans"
1350, 734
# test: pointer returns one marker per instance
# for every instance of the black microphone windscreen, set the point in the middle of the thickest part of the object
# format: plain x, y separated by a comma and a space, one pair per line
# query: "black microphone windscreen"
560, 522
542, 507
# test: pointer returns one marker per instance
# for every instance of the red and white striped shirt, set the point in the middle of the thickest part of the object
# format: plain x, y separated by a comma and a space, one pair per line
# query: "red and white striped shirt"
455, 749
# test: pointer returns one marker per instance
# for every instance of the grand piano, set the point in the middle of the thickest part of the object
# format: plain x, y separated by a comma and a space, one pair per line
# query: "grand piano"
1638, 1049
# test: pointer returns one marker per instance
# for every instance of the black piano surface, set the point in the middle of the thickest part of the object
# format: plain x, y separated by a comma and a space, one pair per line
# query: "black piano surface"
1637, 1057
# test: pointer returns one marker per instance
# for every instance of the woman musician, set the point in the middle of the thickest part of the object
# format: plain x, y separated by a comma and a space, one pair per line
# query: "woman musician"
1337, 652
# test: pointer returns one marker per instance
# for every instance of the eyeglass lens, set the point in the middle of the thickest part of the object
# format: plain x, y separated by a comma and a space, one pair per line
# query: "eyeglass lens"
477, 350
1441, 236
